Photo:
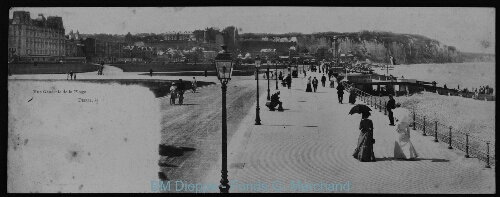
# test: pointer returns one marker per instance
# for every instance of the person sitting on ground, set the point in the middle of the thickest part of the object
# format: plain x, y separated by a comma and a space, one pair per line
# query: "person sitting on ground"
275, 100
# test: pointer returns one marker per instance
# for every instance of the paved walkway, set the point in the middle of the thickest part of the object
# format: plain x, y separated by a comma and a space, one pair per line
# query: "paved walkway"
312, 141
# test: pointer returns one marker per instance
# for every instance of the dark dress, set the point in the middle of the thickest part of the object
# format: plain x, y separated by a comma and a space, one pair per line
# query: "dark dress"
352, 96
364, 149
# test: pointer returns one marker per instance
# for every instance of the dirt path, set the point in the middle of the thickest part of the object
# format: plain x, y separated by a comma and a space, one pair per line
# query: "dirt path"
197, 124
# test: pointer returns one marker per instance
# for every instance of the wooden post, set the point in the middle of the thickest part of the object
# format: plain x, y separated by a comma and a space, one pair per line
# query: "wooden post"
380, 105
385, 108
487, 155
436, 132
449, 144
466, 145
414, 123
424, 128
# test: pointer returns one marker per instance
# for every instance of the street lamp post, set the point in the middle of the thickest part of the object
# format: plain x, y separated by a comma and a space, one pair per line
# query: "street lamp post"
268, 96
257, 109
276, 74
224, 67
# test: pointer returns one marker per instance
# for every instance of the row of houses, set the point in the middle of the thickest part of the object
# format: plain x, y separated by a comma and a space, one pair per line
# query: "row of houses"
272, 39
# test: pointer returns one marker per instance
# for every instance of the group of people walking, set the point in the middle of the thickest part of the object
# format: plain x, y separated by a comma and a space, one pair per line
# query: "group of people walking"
403, 147
70, 76
177, 90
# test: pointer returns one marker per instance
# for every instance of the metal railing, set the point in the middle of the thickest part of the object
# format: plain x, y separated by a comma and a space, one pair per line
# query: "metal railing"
471, 145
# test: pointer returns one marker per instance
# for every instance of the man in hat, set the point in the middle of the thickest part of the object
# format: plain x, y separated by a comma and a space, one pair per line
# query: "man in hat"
315, 84
323, 80
391, 104
289, 81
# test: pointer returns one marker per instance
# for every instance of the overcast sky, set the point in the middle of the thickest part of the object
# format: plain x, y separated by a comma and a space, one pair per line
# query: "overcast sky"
468, 29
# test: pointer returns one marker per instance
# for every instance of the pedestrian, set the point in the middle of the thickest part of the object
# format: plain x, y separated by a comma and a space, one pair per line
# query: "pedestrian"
308, 88
67, 76
364, 149
332, 83
289, 81
70, 75
340, 92
391, 104
173, 94
180, 91
304, 73
151, 72
280, 76
315, 84
323, 80
205, 72
352, 96
194, 85
74, 76
445, 86
403, 148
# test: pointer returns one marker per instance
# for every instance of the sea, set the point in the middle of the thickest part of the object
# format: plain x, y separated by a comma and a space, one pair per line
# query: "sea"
466, 75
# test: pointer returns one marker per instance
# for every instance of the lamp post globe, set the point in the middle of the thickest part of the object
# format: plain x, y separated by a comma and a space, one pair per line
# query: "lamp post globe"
224, 67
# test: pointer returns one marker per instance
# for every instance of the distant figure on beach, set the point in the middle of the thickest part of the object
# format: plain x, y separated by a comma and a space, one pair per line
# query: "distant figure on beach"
391, 104
323, 80
173, 94
340, 92
364, 149
315, 84
403, 148
308, 88
151, 72
194, 85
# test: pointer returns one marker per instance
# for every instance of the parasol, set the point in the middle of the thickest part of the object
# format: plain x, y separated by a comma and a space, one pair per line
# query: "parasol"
359, 109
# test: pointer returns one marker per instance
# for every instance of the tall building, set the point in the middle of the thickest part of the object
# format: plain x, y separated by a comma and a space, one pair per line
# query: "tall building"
40, 39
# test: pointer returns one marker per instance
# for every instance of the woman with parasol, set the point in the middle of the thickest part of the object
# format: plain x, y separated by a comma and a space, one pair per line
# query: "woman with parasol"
403, 148
364, 148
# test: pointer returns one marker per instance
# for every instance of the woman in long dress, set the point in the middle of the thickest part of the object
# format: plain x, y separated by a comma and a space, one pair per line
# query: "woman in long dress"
352, 96
364, 149
308, 88
403, 148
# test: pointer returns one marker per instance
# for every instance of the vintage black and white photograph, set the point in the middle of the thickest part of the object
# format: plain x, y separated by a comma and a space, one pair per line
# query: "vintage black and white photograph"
258, 99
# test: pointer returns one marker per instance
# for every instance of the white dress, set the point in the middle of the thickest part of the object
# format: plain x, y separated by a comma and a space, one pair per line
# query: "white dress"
403, 148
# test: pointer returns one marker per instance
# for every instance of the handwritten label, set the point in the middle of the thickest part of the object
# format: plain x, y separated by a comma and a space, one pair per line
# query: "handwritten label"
59, 91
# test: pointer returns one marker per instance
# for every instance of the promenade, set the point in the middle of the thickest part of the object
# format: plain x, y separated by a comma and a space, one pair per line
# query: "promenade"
312, 141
